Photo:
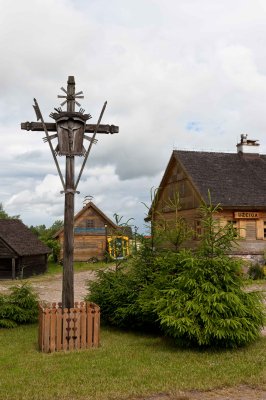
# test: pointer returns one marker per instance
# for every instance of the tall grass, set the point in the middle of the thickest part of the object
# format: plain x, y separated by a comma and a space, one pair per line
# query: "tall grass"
126, 364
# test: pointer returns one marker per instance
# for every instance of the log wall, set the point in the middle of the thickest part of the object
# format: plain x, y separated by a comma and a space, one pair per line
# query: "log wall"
89, 236
251, 231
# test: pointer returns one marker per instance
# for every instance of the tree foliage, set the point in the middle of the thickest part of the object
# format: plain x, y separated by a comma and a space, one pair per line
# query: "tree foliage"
46, 236
127, 295
207, 305
196, 298
19, 307
5, 215
166, 232
175, 231
216, 239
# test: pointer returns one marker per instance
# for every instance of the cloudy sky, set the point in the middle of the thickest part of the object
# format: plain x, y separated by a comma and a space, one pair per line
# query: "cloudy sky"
185, 74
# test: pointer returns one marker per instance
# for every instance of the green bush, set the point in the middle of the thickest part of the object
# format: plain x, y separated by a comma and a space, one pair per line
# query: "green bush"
256, 271
117, 292
54, 245
196, 298
127, 296
19, 307
207, 306
112, 292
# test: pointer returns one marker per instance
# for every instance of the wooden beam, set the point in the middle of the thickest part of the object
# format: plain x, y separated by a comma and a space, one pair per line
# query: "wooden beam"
13, 268
51, 127
68, 270
68, 273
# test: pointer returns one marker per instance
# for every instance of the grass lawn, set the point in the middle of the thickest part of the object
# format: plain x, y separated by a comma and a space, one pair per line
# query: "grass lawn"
54, 268
126, 364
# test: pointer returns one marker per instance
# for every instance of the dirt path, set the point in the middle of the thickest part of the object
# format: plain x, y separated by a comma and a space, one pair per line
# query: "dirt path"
49, 288
51, 291
236, 393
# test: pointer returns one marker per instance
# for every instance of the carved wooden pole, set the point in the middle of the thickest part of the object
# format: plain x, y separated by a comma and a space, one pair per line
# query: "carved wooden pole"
68, 273
70, 127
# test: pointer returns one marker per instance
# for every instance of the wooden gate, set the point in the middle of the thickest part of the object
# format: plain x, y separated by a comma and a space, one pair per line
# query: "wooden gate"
69, 328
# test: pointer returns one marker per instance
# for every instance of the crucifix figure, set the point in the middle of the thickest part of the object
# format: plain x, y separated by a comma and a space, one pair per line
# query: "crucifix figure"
70, 127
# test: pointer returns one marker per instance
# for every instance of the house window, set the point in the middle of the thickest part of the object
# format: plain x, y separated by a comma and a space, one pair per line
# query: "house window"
90, 223
234, 226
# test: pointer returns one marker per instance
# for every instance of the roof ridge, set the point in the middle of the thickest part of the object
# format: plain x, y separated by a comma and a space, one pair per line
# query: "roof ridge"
211, 152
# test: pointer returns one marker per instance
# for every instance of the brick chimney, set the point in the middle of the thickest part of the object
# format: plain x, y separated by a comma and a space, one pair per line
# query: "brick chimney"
247, 146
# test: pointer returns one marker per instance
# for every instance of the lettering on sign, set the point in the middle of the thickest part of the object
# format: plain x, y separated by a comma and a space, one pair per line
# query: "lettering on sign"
247, 214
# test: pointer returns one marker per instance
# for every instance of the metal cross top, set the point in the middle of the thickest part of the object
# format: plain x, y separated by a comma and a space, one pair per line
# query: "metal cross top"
70, 127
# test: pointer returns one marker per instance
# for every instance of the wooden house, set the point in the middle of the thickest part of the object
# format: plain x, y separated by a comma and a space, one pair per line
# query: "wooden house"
22, 254
236, 181
91, 230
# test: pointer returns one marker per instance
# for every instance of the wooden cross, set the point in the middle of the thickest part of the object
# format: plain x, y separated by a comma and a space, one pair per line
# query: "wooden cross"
70, 127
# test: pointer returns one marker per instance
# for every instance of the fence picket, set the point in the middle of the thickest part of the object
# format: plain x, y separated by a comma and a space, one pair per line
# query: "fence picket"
52, 327
40, 333
59, 328
96, 326
46, 330
77, 328
68, 329
83, 324
71, 329
89, 312
65, 330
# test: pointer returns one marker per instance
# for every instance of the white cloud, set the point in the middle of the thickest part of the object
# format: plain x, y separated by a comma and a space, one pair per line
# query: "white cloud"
45, 202
240, 69
188, 74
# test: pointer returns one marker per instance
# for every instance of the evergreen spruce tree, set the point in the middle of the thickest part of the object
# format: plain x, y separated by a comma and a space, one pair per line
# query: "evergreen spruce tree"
207, 306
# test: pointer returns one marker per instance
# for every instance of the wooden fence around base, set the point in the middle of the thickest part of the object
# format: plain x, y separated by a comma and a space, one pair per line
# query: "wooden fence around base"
69, 328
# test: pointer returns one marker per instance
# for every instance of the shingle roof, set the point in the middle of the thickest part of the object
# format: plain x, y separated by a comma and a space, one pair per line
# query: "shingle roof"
20, 238
232, 179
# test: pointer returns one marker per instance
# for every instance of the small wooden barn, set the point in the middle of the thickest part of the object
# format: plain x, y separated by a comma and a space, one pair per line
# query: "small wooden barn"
91, 230
22, 254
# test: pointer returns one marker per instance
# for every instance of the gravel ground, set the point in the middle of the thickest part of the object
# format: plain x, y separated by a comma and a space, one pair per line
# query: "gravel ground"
49, 288
51, 291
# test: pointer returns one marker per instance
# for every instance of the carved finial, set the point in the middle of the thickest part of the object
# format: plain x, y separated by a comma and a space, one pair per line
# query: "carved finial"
70, 94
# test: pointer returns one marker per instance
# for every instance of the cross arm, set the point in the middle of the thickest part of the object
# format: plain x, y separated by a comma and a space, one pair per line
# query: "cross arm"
51, 127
